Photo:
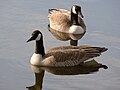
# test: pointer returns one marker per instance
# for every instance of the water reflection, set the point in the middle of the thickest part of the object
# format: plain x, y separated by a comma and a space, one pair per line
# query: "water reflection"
88, 67
39, 74
85, 68
66, 36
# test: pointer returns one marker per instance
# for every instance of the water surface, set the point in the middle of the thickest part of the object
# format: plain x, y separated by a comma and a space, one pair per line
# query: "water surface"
18, 18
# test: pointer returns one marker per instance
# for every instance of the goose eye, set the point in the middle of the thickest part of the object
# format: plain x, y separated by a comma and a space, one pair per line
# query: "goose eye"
33, 34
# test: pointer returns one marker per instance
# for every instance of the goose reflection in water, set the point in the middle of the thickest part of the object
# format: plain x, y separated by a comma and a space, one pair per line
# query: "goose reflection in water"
66, 36
39, 74
88, 67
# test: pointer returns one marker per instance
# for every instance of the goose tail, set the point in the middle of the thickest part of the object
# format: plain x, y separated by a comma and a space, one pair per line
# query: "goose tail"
92, 52
52, 10
103, 49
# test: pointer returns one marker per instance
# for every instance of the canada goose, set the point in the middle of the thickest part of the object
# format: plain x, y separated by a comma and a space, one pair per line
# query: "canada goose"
68, 22
61, 56
64, 21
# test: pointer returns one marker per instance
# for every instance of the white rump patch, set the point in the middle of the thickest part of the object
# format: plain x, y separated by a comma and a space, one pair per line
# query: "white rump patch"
38, 37
74, 29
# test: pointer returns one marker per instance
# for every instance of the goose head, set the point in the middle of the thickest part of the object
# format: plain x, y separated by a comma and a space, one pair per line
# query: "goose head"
76, 10
36, 35
75, 27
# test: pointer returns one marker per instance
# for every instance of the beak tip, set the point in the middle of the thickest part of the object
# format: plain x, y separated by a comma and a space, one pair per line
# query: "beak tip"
28, 40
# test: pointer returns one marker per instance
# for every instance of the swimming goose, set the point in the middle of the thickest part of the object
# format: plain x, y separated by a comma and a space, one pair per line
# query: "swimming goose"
68, 22
61, 56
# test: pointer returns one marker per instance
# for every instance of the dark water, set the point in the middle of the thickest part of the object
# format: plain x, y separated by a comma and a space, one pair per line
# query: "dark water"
18, 18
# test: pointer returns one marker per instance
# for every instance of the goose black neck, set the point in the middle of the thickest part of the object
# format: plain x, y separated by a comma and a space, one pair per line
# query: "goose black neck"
74, 19
40, 47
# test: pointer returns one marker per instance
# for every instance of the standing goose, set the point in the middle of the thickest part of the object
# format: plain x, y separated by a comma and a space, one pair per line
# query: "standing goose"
68, 22
62, 56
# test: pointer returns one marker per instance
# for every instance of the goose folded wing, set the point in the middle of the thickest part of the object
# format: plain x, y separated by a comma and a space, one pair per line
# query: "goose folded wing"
68, 57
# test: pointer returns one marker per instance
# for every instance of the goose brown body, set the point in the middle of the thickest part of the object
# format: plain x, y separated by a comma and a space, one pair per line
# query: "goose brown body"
70, 55
69, 22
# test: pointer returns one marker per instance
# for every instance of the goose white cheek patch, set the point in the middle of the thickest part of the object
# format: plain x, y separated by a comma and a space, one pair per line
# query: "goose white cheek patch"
73, 10
38, 37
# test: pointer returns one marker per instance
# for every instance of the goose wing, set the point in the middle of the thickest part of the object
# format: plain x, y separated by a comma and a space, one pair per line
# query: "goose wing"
70, 55
59, 18
59, 58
